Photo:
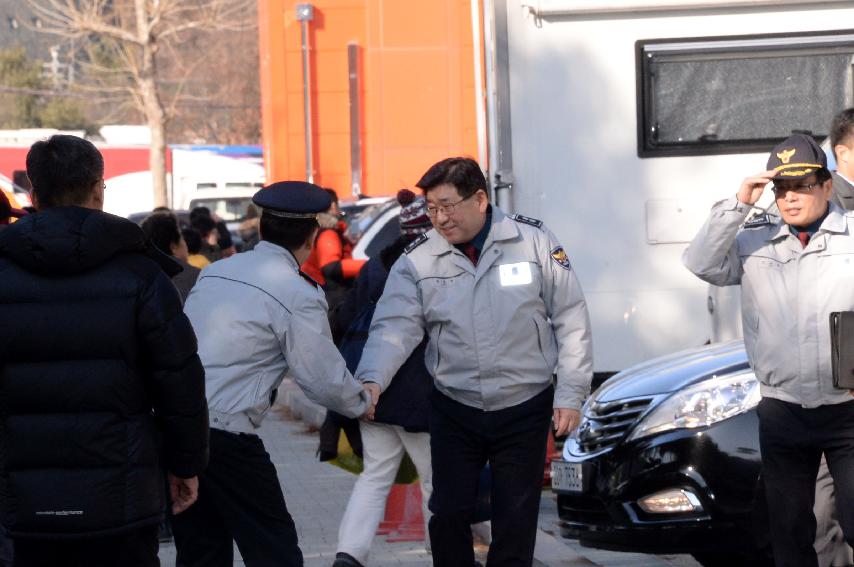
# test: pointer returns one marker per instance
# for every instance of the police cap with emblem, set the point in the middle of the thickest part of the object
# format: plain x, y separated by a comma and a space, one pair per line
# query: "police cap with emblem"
293, 200
796, 158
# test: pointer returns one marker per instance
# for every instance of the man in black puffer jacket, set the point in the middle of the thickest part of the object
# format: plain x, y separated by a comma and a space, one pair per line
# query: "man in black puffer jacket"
101, 389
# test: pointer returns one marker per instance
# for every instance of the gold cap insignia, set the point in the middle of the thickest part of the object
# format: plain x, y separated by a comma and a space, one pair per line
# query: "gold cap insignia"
786, 155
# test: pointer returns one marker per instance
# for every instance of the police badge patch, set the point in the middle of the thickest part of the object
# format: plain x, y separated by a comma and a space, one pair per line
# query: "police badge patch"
560, 258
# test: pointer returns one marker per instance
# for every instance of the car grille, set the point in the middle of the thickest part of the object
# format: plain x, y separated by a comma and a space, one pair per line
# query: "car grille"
583, 509
603, 425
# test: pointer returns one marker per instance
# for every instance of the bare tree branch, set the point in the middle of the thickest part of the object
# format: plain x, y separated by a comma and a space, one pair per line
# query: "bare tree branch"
77, 19
152, 55
56, 93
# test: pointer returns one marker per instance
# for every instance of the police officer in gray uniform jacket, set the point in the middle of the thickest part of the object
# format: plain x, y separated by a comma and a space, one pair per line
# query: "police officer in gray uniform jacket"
258, 318
504, 312
793, 274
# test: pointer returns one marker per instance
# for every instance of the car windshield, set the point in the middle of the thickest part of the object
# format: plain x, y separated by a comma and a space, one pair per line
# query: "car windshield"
361, 221
229, 209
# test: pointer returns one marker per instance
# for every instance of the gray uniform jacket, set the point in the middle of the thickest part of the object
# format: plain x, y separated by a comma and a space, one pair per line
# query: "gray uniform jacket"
257, 319
787, 294
497, 331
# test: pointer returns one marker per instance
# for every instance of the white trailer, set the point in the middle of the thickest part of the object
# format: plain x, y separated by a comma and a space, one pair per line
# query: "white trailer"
619, 123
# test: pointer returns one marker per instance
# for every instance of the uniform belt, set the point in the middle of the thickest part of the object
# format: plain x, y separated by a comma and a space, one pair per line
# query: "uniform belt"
234, 422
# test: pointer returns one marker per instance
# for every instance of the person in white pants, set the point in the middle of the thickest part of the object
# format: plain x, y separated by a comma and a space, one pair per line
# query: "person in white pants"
384, 445
401, 417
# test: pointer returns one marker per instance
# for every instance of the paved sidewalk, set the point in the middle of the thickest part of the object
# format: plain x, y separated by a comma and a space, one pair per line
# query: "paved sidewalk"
316, 494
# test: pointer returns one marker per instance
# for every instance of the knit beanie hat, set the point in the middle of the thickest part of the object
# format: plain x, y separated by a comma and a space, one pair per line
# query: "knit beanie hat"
413, 214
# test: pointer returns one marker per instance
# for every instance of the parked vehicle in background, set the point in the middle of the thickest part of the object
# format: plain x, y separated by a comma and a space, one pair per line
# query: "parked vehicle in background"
666, 460
194, 172
216, 172
350, 208
374, 228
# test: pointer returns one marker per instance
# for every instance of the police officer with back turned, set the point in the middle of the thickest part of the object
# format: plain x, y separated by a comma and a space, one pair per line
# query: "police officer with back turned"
258, 317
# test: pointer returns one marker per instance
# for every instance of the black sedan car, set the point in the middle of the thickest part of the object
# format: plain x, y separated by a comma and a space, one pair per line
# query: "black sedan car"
666, 460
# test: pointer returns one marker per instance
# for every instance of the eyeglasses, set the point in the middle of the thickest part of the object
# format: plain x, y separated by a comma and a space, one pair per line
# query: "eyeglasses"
447, 209
781, 190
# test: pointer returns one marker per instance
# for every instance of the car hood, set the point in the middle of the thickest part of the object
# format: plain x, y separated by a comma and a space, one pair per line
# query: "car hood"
673, 372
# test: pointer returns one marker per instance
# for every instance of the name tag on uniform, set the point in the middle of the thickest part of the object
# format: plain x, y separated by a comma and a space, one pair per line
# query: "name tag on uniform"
515, 274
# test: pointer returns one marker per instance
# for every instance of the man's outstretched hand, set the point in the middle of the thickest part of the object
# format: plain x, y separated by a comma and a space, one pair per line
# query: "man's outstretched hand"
374, 390
183, 492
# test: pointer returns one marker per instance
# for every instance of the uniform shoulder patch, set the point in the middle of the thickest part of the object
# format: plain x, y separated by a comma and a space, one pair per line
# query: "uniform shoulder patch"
758, 220
560, 258
309, 279
527, 220
415, 243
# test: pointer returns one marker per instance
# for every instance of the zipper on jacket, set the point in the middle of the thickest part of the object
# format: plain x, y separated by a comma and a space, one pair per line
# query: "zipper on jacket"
438, 352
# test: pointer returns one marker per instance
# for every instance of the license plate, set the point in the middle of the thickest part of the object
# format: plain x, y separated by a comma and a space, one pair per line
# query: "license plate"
568, 477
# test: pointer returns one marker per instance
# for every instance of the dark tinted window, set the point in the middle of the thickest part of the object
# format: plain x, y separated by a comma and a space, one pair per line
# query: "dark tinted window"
385, 236
728, 95
229, 209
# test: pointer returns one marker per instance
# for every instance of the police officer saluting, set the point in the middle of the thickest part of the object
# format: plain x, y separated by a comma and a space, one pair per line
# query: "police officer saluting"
258, 317
793, 274
503, 309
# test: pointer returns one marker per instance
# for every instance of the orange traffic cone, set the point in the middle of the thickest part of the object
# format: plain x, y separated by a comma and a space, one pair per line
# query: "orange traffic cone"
404, 520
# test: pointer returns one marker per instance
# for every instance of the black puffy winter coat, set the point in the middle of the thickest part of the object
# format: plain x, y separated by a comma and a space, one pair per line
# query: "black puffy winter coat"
101, 388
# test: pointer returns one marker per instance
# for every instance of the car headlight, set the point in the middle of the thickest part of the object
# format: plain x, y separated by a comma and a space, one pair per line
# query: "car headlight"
702, 404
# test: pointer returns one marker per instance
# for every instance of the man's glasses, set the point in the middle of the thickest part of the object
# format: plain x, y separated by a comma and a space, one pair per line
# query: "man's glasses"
781, 190
447, 209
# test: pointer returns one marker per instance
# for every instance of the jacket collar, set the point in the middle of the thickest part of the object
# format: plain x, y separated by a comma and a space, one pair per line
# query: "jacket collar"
503, 228
835, 222
63, 241
269, 249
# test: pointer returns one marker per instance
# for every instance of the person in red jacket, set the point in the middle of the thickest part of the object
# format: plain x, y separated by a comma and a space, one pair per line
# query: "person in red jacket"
7, 211
331, 263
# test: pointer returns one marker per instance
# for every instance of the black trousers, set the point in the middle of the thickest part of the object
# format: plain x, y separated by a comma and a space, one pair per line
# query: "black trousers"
792, 440
240, 499
513, 441
132, 549
330, 432
5, 549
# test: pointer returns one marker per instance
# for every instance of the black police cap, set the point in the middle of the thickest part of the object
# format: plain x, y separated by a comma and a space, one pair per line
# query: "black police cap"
797, 157
293, 199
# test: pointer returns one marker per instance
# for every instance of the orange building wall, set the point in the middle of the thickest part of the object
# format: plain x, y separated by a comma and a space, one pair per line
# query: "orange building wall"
416, 81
